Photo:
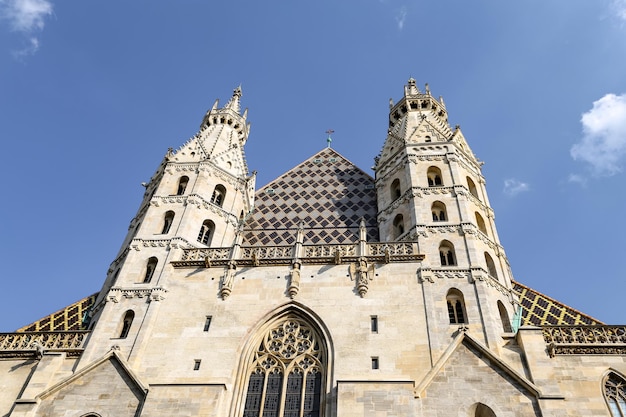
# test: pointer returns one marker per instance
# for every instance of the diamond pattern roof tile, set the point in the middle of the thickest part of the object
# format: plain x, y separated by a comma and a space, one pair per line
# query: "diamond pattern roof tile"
326, 192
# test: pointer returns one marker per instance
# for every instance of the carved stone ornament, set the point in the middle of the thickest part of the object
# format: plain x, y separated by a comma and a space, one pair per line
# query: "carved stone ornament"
294, 281
116, 294
362, 274
227, 281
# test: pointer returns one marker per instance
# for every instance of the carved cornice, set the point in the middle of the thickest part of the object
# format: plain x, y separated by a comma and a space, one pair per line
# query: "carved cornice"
585, 340
216, 172
137, 243
181, 167
479, 274
199, 202
116, 294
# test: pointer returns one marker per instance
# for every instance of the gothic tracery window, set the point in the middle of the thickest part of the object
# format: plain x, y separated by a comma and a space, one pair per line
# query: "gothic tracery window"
182, 185
615, 394
287, 372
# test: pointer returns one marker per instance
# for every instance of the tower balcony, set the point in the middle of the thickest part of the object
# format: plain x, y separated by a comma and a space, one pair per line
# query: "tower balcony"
33, 344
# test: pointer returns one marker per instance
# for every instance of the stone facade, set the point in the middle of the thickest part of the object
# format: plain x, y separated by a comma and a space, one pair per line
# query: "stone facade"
325, 293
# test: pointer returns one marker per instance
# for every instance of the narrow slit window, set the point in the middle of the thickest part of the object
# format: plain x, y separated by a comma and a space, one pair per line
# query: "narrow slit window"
374, 324
196, 364
375, 362
207, 323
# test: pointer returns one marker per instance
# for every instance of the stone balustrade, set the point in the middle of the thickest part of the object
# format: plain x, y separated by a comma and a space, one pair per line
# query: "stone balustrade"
29, 344
311, 254
572, 340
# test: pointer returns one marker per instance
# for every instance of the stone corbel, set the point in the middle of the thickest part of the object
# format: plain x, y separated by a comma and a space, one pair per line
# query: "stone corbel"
158, 294
425, 274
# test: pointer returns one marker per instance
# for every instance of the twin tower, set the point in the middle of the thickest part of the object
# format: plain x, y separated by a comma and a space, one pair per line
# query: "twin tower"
324, 293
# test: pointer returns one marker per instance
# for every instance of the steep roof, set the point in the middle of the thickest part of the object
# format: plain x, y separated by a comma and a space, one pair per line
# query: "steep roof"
69, 318
327, 194
541, 310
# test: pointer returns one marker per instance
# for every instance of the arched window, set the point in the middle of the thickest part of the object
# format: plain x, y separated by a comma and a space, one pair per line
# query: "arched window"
472, 187
150, 268
491, 266
481, 410
287, 372
127, 321
398, 226
438, 210
615, 394
456, 307
504, 316
167, 221
434, 177
480, 222
219, 193
182, 185
206, 232
446, 253
396, 192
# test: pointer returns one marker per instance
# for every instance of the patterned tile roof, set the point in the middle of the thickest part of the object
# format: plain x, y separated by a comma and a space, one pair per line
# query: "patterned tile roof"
540, 310
69, 318
327, 193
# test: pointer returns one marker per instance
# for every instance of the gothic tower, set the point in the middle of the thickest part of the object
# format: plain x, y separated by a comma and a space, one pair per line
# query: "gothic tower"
430, 189
198, 197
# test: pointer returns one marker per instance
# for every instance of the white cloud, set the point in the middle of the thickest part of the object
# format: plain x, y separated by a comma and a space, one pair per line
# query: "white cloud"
619, 8
577, 179
401, 17
513, 187
25, 15
603, 145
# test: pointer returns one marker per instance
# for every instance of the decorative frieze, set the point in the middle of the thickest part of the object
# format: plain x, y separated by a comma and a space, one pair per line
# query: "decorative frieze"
137, 244
116, 294
585, 340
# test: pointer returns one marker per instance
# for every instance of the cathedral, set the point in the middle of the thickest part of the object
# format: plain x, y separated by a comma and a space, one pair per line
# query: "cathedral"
325, 293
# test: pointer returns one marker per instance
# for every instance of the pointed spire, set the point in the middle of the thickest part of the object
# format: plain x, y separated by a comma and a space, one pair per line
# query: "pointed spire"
217, 101
233, 103
411, 88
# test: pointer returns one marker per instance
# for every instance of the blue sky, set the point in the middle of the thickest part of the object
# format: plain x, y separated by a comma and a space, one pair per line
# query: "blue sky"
93, 93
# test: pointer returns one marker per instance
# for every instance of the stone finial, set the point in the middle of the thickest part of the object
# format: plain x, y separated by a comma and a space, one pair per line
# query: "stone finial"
411, 88
233, 103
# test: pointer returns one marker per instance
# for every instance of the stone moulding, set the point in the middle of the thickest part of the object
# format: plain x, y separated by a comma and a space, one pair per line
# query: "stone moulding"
307, 254
33, 344
152, 294
585, 340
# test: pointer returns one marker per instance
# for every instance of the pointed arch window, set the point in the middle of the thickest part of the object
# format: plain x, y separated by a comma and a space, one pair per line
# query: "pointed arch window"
398, 226
446, 253
615, 394
504, 317
206, 232
434, 177
480, 222
150, 268
167, 222
127, 321
472, 187
456, 307
182, 185
481, 410
219, 193
491, 266
287, 372
396, 192
439, 212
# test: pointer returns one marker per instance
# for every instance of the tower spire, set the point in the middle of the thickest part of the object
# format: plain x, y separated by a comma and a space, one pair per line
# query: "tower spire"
233, 103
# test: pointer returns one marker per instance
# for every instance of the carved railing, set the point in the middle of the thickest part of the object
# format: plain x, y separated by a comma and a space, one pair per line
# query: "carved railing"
573, 340
29, 344
279, 255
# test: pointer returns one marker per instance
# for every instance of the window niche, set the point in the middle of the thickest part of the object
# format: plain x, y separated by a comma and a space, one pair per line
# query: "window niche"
206, 232
182, 185
439, 212
456, 307
434, 177
219, 194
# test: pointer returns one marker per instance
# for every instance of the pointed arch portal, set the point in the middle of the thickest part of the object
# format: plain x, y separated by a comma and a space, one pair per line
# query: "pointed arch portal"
287, 369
